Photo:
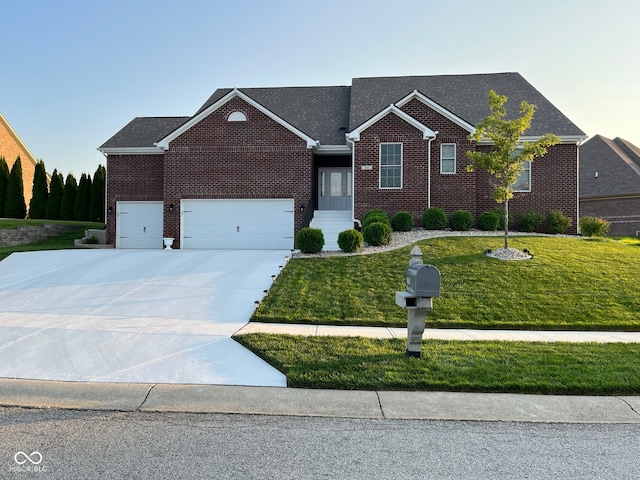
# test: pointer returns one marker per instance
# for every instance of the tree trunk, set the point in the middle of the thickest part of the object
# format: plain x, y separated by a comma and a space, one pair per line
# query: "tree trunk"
506, 224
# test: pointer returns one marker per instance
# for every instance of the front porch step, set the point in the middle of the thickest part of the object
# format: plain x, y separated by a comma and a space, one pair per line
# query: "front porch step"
331, 222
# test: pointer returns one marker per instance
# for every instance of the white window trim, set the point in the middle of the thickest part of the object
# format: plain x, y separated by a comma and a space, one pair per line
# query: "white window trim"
455, 153
380, 165
527, 167
237, 116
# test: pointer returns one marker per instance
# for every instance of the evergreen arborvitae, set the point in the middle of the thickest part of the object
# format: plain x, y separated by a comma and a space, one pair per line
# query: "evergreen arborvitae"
69, 198
15, 206
38, 203
83, 198
4, 181
96, 209
55, 196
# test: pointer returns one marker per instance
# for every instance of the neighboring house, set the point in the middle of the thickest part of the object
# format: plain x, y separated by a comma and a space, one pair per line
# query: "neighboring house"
610, 183
11, 147
255, 165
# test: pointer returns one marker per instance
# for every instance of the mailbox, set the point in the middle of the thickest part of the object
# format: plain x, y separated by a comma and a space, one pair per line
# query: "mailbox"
423, 280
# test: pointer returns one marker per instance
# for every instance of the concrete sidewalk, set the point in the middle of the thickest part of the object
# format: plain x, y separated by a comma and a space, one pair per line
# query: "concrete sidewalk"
318, 403
442, 334
158, 397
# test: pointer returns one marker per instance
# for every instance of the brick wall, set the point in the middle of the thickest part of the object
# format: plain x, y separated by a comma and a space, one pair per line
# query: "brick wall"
131, 178
623, 213
11, 149
412, 197
554, 186
553, 178
218, 159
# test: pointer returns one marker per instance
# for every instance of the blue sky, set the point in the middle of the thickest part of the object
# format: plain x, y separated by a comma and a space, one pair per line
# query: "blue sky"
73, 72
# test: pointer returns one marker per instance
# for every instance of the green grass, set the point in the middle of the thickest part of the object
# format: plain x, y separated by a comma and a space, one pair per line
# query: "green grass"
571, 283
515, 367
58, 242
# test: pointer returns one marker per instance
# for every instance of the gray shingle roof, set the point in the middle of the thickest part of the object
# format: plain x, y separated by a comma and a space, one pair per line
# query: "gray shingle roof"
617, 163
144, 132
327, 113
463, 95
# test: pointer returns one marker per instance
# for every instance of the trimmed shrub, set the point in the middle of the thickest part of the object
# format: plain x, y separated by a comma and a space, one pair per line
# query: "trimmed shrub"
434, 218
461, 220
350, 240
374, 216
529, 221
377, 233
557, 222
402, 222
310, 240
593, 226
488, 221
375, 211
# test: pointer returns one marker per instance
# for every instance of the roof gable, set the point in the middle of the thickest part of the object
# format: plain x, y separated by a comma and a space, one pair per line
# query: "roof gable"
212, 107
392, 109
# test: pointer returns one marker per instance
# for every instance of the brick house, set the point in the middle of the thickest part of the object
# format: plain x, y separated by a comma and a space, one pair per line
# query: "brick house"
610, 183
11, 147
255, 165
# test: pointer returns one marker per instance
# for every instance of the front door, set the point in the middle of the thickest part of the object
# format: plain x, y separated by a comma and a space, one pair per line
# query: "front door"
334, 188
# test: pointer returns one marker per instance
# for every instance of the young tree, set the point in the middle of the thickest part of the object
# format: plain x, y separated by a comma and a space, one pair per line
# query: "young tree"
55, 196
83, 198
96, 210
506, 160
15, 207
69, 198
40, 192
4, 181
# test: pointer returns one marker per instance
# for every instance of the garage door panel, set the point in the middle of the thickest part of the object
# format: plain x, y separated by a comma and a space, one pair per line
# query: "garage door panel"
238, 224
139, 225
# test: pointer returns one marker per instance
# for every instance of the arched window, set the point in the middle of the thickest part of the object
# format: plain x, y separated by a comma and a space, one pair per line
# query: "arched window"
237, 117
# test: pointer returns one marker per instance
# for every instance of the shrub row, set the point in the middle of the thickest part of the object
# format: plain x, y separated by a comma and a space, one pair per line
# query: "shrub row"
376, 227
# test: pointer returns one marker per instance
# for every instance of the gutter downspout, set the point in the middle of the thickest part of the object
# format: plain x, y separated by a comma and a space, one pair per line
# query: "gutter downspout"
429, 170
353, 181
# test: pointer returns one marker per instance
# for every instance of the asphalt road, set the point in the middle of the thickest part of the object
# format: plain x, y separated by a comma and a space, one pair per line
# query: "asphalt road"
71, 444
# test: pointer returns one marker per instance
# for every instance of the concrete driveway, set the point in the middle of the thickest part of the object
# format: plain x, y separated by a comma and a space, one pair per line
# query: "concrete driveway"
145, 316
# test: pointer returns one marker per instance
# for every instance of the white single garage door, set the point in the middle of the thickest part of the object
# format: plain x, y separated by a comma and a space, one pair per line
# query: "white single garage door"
139, 225
235, 224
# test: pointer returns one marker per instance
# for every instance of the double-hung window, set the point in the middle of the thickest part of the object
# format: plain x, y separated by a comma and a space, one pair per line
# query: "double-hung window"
390, 165
523, 183
448, 158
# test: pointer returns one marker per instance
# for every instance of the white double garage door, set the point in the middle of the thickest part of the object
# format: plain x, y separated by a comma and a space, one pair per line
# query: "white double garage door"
266, 224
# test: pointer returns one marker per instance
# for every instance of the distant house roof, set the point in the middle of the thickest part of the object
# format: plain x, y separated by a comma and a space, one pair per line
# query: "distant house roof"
609, 167
326, 113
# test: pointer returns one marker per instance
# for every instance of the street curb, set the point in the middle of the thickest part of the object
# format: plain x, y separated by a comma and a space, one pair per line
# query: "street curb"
389, 405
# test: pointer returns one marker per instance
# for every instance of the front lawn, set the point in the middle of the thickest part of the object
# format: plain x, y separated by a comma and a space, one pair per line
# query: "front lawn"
571, 283
512, 367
